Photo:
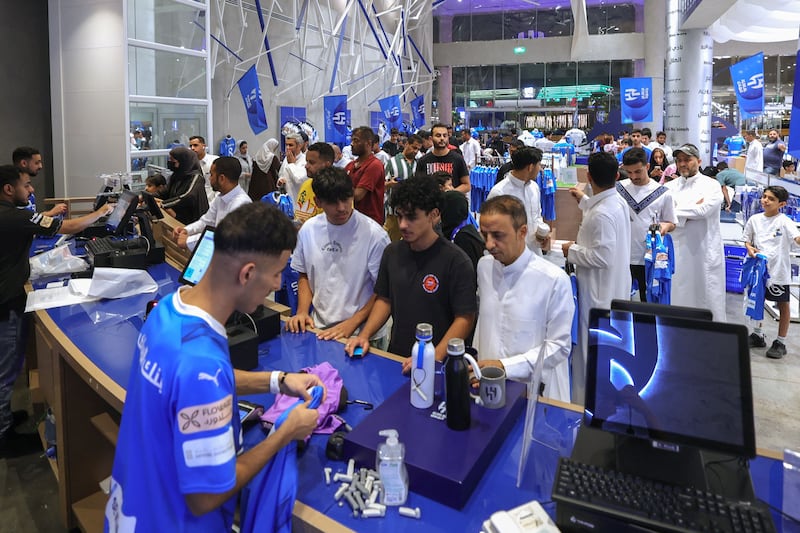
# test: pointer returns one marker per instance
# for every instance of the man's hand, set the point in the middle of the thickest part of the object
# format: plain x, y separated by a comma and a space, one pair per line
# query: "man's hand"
177, 232
56, 210
752, 250
700, 201
545, 243
577, 193
407, 365
356, 342
281, 182
300, 422
290, 157
666, 227
297, 384
565, 247
342, 330
299, 323
109, 208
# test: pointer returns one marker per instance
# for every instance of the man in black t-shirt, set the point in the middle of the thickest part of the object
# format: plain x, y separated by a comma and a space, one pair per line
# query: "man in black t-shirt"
444, 159
17, 228
422, 278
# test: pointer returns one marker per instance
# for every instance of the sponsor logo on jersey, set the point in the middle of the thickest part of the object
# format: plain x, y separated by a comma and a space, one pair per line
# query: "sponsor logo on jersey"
209, 451
207, 416
42, 219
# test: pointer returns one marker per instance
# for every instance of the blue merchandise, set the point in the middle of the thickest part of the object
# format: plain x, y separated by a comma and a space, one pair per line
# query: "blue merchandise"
227, 146
754, 278
565, 149
274, 497
658, 270
547, 186
735, 145
178, 433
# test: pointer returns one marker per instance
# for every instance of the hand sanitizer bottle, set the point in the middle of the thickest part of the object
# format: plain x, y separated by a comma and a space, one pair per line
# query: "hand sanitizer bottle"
392, 469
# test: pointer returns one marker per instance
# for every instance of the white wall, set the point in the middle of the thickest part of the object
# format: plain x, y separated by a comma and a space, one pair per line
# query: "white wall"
87, 72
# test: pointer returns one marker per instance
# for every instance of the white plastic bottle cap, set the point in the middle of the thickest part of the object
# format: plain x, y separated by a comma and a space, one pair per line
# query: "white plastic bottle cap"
543, 230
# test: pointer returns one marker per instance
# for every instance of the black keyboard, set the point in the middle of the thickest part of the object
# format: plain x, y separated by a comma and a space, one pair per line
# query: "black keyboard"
654, 505
107, 245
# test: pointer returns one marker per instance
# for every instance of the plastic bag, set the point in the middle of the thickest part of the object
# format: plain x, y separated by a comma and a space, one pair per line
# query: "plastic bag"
59, 260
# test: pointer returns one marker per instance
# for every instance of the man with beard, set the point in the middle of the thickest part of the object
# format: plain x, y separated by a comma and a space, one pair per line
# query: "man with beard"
699, 279
367, 174
29, 161
292, 173
198, 146
442, 158
318, 156
17, 229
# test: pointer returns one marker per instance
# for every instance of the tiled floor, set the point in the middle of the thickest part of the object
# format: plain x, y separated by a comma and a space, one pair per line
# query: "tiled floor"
28, 491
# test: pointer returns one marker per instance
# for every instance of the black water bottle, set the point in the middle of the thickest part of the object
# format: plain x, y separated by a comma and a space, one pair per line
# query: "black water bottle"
456, 386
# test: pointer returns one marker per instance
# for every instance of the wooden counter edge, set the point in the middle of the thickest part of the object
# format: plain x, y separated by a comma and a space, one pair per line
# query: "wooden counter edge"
308, 520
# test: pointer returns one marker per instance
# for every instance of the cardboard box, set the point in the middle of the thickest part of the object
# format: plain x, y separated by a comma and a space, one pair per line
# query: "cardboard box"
443, 465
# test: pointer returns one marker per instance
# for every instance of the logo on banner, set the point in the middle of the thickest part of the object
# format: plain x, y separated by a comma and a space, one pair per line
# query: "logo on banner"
251, 96
637, 104
748, 84
337, 118
390, 108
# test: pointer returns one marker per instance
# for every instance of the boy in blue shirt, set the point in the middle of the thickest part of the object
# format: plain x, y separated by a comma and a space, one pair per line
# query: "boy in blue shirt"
771, 233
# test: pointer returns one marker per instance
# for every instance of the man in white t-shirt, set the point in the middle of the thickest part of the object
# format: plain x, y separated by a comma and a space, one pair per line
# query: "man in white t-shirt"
661, 142
224, 179
338, 256
470, 149
198, 146
648, 203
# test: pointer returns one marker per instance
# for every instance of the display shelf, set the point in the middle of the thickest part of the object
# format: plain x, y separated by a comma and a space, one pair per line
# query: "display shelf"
90, 512
53, 462
106, 426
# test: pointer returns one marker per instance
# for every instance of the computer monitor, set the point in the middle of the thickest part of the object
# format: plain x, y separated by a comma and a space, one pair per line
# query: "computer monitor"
151, 204
201, 257
662, 309
674, 381
121, 215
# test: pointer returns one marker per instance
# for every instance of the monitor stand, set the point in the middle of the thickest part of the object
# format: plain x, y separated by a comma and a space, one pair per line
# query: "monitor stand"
723, 474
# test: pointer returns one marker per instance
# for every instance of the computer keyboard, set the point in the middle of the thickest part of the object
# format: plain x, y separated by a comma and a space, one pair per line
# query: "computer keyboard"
100, 246
654, 505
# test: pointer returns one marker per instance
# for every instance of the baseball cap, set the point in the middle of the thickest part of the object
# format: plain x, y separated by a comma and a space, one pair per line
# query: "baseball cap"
688, 149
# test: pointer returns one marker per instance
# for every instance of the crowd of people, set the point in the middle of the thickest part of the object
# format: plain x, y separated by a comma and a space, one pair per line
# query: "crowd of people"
378, 232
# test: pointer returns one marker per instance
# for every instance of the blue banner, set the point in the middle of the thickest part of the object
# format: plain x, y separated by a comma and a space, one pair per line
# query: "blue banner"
794, 119
636, 99
251, 94
390, 107
748, 84
418, 111
336, 119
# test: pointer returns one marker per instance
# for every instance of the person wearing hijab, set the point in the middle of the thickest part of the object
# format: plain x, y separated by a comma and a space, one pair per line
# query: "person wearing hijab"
186, 198
457, 227
265, 170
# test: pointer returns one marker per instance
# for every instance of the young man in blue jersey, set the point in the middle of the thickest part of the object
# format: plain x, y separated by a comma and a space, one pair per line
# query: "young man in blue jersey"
177, 465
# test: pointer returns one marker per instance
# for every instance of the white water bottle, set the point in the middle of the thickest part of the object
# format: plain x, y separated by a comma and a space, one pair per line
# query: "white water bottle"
423, 357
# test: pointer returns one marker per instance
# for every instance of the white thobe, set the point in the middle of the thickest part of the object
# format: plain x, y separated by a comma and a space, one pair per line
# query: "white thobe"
524, 306
294, 174
600, 254
205, 166
699, 279
755, 157
219, 208
528, 193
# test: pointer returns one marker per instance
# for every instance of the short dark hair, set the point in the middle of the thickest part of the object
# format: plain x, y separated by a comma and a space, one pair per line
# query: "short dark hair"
780, 192
324, 150
516, 143
332, 184
505, 204
424, 134
440, 125
664, 133
198, 137
603, 168
525, 156
636, 130
787, 164
242, 143
722, 165
647, 131
414, 138
156, 180
255, 228
9, 174
22, 153
230, 167
393, 131
633, 156
417, 193
364, 132
441, 177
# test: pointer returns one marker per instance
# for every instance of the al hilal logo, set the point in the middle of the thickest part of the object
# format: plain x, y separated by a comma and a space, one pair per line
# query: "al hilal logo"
430, 283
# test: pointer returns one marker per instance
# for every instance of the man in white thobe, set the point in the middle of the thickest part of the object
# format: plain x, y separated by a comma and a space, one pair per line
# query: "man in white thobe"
292, 173
600, 254
526, 305
699, 279
521, 183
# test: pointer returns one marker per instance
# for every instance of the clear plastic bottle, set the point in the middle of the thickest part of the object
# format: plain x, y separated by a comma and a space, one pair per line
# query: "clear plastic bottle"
423, 357
390, 464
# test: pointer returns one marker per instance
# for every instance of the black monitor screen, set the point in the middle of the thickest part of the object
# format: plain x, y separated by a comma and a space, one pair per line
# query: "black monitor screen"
200, 259
151, 205
669, 379
122, 212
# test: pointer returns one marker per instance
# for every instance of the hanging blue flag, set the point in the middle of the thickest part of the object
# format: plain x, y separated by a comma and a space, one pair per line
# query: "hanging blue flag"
251, 94
748, 84
636, 99
794, 121
418, 111
336, 119
390, 107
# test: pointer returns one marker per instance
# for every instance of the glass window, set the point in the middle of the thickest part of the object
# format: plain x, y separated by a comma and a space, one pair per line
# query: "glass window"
171, 123
462, 28
521, 24
167, 22
487, 27
617, 18
159, 73
506, 77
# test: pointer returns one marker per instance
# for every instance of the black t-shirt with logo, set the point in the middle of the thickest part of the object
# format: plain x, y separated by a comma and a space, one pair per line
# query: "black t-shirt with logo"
17, 229
452, 163
431, 286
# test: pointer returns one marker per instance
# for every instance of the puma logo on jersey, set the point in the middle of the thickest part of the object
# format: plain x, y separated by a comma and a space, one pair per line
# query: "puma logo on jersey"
203, 376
